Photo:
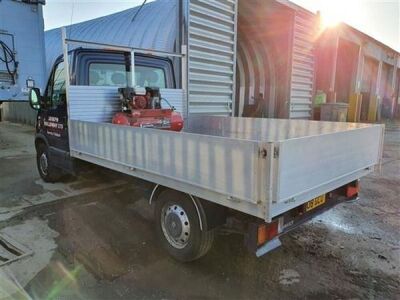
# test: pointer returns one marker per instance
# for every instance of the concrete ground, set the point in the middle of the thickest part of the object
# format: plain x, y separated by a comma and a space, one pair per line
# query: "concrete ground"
92, 237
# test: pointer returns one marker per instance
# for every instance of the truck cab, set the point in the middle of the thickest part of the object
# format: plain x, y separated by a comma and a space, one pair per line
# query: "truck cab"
88, 67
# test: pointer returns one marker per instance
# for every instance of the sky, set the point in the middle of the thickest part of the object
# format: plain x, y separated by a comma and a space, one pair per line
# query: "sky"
377, 18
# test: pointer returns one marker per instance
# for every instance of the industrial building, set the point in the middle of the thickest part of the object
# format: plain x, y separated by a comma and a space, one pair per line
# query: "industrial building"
354, 67
279, 71
22, 56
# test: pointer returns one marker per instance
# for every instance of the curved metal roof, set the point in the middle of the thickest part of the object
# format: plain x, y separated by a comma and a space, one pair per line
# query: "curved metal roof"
153, 28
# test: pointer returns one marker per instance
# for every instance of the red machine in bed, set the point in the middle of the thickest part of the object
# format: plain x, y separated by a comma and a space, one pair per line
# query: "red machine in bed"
141, 107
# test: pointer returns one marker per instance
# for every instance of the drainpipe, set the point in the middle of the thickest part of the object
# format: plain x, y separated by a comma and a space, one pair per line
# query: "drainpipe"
355, 100
379, 78
179, 42
374, 110
331, 97
360, 69
394, 79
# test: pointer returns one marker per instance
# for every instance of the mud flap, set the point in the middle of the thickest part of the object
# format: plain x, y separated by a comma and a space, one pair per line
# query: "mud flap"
268, 247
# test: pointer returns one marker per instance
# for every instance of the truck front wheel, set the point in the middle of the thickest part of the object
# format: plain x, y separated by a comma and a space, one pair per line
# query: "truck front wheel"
182, 226
47, 171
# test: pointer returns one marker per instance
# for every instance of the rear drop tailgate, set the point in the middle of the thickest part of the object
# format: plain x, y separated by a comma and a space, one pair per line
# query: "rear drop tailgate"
309, 166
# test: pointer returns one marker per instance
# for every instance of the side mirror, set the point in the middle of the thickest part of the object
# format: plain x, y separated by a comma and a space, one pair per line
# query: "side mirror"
34, 98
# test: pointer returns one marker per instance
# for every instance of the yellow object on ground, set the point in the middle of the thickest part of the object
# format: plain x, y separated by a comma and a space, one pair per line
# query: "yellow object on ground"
373, 108
354, 111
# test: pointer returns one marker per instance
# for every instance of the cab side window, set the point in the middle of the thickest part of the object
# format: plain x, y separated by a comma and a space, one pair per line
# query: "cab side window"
57, 92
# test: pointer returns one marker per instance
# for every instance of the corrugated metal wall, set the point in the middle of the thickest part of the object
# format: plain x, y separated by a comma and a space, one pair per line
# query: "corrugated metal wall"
211, 56
303, 65
263, 65
18, 112
155, 27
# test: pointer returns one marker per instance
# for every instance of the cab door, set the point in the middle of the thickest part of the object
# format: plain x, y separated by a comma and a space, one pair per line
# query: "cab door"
54, 113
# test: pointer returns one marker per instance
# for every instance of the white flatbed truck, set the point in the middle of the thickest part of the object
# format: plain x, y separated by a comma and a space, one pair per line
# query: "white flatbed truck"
261, 177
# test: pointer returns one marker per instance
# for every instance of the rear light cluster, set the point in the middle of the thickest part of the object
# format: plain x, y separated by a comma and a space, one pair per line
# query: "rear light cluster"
267, 232
353, 189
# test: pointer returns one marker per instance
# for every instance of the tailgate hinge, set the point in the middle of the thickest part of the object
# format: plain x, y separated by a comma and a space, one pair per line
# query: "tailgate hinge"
276, 152
262, 153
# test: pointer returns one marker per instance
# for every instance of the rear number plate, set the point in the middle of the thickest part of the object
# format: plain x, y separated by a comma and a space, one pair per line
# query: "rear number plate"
315, 202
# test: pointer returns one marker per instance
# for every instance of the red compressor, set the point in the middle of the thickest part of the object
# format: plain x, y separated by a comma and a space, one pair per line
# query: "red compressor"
141, 107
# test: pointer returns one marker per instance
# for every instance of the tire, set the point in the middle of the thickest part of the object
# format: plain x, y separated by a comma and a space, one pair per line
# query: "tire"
47, 171
184, 243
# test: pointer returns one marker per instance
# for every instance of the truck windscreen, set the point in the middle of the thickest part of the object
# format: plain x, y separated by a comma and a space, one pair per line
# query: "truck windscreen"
111, 74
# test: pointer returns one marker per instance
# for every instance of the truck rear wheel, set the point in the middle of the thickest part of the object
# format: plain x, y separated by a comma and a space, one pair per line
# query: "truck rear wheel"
47, 171
178, 226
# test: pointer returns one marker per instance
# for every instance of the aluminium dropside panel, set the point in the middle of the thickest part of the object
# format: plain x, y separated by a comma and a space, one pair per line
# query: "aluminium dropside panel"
314, 165
309, 158
222, 170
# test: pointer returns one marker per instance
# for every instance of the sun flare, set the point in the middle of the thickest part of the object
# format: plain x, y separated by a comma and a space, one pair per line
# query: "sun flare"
334, 12
329, 20
331, 16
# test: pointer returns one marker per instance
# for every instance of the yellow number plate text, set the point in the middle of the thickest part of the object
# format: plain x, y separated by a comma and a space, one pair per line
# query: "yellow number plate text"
315, 202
